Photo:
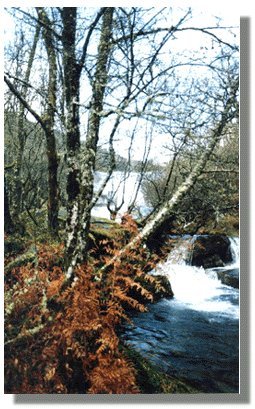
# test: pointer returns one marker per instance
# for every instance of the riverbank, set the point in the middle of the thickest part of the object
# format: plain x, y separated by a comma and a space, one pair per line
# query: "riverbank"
64, 340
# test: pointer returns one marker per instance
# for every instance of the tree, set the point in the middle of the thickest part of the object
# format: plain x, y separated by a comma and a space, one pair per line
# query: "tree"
126, 60
9, 226
17, 200
112, 74
80, 181
49, 122
169, 206
46, 120
215, 194
34, 168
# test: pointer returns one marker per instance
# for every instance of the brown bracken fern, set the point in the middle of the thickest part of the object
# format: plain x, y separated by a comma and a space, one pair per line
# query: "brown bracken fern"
65, 341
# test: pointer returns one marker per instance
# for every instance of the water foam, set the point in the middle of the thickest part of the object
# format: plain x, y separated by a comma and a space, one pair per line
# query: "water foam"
197, 288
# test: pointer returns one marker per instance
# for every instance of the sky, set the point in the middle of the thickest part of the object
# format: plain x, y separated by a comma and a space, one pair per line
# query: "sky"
203, 13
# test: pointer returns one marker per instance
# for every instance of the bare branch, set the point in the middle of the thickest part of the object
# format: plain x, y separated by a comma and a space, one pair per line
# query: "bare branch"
86, 43
17, 94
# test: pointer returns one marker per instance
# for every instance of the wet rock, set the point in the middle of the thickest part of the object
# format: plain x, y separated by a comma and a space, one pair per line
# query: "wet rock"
160, 288
151, 379
211, 251
229, 277
166, 290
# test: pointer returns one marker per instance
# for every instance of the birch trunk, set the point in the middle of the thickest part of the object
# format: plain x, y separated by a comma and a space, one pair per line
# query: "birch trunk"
98, 90
72, 97
167, 209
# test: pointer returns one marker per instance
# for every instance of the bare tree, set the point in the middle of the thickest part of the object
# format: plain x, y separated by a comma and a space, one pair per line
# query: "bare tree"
126, 60
229, 112
21, 137
46, 120
80, 180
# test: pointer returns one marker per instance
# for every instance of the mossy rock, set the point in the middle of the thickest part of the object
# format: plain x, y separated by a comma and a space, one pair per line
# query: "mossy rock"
99, 235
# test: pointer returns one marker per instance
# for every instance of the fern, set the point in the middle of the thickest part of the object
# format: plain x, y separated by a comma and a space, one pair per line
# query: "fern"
65, 341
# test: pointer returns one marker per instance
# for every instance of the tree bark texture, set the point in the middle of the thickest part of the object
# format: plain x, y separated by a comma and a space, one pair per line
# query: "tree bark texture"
98, 90
49, 119
9, 226
72, 98
72, 122
83, 177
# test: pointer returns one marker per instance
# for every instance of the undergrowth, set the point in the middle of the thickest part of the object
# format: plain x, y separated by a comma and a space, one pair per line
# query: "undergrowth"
65, 341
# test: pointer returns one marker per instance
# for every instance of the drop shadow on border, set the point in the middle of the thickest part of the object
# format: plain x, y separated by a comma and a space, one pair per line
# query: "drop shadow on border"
244, 395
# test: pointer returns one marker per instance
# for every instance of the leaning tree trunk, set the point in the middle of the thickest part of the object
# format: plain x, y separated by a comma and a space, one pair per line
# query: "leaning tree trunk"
169, 206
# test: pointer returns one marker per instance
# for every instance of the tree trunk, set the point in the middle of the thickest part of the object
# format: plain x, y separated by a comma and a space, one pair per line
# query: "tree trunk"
49, 120
81, 182
72, 97
9, 227
53, 195
98, 89
17, 201
169, 206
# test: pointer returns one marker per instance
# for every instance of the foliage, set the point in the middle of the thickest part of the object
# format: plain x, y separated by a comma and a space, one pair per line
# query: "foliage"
64, 340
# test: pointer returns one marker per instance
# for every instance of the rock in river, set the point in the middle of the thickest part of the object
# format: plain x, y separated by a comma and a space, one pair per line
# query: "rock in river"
211, 251
229, 277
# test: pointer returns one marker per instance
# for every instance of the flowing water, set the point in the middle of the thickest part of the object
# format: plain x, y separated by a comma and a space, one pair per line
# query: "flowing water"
195, 335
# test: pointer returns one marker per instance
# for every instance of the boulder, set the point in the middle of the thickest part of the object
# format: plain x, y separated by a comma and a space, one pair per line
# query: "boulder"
165, 291
229, 277
160, 287
211, 251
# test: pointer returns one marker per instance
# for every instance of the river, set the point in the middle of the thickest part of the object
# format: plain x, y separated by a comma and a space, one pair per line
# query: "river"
121, 188
195, 335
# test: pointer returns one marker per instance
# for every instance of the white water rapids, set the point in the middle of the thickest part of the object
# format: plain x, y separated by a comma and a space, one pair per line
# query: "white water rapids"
195, 335
199, 289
